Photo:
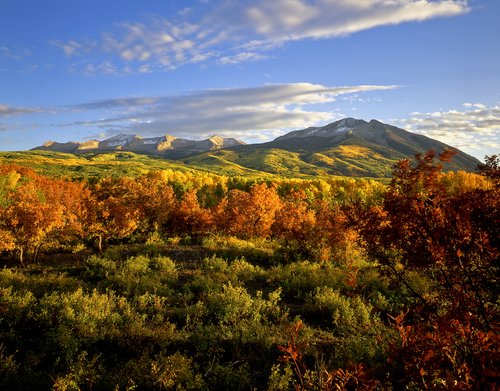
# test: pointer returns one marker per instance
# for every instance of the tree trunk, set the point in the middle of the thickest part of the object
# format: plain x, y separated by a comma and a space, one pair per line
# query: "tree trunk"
21, 256
36, 252
99, 244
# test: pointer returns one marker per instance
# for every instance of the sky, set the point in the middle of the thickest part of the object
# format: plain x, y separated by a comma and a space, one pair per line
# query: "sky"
250, 69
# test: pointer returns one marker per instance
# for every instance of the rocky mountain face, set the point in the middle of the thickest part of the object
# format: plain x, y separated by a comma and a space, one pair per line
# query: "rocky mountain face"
166, 146
374, 137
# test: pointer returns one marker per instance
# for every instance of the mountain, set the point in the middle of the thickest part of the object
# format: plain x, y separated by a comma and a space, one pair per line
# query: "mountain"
165, 146
350, 147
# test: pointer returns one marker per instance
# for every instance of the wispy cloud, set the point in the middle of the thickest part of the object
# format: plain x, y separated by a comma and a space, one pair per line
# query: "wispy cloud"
140, 47
250, 113
289, 20
15, 53
72, 47
240, 58
476, 126
7, 111
232, 32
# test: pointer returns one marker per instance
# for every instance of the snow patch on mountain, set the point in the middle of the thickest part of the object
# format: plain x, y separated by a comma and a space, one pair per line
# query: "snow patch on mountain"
120, 140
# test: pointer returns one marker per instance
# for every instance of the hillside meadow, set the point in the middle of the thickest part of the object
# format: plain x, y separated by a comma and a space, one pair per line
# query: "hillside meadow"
124, 272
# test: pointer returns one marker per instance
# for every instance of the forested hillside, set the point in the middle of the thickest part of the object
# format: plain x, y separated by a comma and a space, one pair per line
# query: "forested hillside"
176, 279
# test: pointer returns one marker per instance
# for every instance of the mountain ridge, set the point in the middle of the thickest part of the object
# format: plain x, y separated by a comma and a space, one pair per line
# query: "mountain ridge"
166, 146
350, 147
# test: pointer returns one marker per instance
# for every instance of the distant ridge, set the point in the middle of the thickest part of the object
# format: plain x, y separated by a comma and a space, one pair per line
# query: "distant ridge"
166, 146
350, 147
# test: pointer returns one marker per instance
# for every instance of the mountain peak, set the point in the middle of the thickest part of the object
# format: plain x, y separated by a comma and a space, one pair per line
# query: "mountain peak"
331, 130
349, 121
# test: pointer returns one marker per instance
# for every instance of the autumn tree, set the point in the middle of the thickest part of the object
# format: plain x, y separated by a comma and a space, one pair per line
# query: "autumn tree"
295, 219
38, 211
249, 214
156, 201
111, 210
189, 217
70, 196
491, 169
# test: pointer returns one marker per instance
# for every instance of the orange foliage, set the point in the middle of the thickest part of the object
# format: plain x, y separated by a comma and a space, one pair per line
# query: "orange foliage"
446, 354
189, 217
249, 214
39, 210
111, 210
294, 220
156, 201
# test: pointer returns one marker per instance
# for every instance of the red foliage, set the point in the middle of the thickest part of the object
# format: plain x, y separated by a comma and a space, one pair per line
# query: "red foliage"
446, 354
451, 239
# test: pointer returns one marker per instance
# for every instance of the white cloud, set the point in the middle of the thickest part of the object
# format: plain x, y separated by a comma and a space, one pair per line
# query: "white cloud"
249, 113
475, 127
230, 32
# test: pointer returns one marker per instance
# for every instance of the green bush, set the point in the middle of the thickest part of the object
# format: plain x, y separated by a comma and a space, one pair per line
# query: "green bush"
141, 274
281, 378
346, 314
234, 304
258, 250
175, 372
99, 268
354, 330
300, 278
212, 274
38, 283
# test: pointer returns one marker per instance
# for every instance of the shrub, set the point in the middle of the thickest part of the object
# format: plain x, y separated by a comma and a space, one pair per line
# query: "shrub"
346, 314
99, 268
245, 271
235, 304
174, 372
141, 274
300, 278
258, 250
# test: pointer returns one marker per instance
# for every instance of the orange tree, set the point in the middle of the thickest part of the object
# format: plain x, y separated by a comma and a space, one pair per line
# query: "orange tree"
111, 210
156, 201
454, 241
249, 214
189, 217
295, 222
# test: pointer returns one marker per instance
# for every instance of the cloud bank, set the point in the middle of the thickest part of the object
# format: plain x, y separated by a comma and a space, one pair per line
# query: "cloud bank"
475, 127
249, 113
231, 32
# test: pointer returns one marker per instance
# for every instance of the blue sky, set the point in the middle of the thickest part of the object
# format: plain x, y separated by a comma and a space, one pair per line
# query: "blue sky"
255, 69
